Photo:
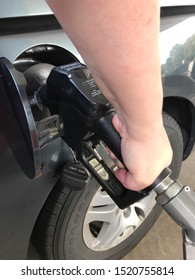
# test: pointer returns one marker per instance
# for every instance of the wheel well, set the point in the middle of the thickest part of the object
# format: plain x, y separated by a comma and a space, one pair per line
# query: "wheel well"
182, 110
51, 54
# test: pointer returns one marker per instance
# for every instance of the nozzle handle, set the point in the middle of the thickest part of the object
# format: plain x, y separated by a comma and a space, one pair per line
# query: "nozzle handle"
105, 131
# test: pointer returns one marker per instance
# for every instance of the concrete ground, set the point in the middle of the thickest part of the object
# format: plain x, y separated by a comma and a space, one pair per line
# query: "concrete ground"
164, 240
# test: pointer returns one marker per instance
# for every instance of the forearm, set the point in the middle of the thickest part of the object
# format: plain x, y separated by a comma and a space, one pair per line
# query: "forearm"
118, 40
113, 53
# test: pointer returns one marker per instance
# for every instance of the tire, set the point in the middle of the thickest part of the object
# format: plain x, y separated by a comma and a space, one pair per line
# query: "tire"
66, 230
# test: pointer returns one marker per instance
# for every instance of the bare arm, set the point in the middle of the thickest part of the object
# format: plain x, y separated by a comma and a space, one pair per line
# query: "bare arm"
119, 42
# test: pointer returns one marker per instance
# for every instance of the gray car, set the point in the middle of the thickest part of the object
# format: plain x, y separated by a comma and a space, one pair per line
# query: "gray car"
44, 210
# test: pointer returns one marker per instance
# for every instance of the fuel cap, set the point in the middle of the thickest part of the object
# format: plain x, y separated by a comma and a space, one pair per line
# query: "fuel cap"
17, 121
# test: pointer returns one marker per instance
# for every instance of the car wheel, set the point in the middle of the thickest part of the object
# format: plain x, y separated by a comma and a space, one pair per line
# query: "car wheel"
87, 224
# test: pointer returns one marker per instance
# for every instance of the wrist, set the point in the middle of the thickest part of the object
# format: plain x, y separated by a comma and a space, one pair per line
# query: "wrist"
138, 129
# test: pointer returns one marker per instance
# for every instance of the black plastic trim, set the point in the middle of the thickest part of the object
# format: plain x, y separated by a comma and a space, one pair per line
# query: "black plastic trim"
21, 25
177, 10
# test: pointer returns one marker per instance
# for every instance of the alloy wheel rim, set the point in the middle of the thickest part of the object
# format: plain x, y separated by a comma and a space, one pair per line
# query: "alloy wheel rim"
106, 225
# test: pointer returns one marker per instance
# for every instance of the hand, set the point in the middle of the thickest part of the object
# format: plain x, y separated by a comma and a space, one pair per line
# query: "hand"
145, 156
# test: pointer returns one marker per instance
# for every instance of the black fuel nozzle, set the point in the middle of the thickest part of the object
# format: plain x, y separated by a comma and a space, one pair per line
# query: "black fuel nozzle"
73, 94
87, 118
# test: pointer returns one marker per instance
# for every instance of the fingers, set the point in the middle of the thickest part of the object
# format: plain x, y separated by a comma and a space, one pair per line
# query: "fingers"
130, 181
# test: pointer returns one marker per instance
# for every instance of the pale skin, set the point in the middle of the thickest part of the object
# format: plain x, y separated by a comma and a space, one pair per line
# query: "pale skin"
119, 42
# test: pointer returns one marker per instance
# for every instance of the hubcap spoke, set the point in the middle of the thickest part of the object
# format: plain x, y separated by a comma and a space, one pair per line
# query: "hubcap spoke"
108, 234
104, 214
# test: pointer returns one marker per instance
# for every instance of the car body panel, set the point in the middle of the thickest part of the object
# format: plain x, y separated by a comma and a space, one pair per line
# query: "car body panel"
21, 8
23, 42
22, 198
172, 3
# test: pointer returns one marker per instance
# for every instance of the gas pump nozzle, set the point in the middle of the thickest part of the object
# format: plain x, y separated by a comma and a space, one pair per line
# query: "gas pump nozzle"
87, 120
87, 117
179, 202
